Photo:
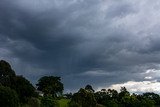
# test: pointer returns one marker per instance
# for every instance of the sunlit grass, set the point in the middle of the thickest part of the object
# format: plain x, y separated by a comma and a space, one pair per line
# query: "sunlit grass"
63, 102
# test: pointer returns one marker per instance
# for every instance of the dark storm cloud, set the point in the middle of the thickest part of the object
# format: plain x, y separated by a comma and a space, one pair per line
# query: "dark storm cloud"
89, 41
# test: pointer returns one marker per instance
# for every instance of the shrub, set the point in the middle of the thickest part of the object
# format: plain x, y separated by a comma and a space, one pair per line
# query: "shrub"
34, 102
83, 98
8, 97
47, 101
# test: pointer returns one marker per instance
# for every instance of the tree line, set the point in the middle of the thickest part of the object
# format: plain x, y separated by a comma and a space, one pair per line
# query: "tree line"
17, 91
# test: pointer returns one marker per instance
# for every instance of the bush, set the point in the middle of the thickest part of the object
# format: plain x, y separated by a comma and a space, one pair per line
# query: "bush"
47, 101
8, 97
111, 103
34, 102
83, 98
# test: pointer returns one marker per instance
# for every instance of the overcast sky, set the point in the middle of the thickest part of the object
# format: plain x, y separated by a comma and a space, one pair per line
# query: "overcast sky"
105, 43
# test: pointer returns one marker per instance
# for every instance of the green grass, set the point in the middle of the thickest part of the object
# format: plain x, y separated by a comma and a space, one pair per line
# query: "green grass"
63, 102
59, 103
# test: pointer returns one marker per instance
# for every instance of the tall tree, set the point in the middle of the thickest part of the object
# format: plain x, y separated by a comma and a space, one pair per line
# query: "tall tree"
5, 69
83, 98
113, 94
22, 86
50, 85
123, 92
152, 96
89, 88
6, 73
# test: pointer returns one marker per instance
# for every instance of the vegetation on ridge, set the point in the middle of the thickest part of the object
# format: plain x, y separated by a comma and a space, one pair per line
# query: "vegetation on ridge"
17, 91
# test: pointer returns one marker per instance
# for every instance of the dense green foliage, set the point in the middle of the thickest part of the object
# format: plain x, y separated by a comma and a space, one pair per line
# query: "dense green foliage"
8, 97
24, 88
83, 98
50, 85
32, 102
5, 69
111, 98
48, 101
19, 84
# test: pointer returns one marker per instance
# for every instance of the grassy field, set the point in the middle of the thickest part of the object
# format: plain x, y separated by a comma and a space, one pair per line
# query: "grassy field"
59, 103
63, 102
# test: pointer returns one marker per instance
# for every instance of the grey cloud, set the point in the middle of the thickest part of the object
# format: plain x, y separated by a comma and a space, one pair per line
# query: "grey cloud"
71, 38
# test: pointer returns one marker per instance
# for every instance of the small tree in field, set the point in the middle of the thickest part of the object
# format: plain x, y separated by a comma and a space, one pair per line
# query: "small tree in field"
50, 85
